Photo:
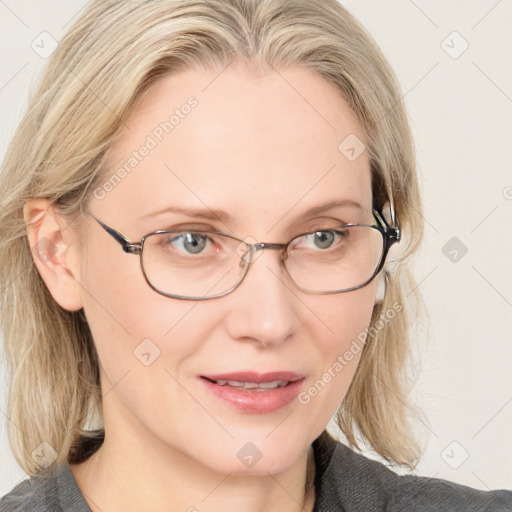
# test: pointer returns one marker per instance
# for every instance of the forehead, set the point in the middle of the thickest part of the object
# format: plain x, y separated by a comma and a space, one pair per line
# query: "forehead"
251, 144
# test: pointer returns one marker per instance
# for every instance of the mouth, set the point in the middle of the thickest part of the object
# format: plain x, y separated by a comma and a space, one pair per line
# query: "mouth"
253, 392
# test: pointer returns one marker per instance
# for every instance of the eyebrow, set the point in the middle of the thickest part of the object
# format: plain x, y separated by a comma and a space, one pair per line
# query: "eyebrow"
223, 216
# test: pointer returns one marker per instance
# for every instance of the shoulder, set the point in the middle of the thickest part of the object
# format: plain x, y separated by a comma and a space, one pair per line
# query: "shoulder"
37, 494
349, 479
436, 494
54, 491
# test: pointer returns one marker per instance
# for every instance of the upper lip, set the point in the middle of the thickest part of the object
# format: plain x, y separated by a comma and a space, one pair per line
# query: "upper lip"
255, 376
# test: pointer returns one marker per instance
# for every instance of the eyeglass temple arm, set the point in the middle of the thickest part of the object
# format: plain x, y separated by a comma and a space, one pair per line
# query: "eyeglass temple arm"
127, 246
392, 232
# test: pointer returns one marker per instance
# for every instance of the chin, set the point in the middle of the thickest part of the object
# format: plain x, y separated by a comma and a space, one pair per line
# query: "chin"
257, 453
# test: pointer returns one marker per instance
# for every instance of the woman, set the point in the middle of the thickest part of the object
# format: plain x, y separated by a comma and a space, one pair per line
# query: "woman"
198, 213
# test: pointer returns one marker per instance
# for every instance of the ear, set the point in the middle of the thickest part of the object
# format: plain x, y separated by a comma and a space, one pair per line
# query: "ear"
380, 288
54, 253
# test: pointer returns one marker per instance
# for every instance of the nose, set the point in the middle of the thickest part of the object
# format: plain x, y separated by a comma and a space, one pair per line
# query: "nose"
264, 307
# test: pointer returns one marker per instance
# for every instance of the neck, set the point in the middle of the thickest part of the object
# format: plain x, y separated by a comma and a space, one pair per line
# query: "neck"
124, 474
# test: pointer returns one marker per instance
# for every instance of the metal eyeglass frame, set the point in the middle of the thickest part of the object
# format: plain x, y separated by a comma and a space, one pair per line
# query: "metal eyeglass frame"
389, 234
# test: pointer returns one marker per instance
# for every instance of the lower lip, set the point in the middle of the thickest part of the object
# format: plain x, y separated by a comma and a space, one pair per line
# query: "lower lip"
255, 402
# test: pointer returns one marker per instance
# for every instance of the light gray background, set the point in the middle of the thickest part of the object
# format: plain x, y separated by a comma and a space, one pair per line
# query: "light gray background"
460, 105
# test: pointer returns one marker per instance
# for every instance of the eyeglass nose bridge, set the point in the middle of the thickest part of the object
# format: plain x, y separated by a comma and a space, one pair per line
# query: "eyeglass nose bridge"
253, 248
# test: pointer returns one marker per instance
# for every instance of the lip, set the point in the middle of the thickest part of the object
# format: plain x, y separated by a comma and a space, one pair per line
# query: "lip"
255, 402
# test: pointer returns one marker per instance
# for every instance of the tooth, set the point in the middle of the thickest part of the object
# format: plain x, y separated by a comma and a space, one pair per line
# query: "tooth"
269, 385
250, 385
273, 384
237, 383
253, 385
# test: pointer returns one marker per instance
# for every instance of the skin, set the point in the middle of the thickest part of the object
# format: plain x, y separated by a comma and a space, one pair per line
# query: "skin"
264, 149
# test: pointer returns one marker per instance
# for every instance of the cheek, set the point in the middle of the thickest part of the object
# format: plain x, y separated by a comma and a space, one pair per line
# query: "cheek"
143, 340
338, 351
134, 327
345, 317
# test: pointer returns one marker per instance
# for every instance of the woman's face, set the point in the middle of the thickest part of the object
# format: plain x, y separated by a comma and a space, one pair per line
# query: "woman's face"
264, 149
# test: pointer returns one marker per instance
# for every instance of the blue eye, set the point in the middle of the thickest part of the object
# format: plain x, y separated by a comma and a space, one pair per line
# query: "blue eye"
323, 239
193, 243
319, 239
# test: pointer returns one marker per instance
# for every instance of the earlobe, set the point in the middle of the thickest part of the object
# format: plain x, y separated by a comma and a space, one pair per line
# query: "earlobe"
51, 245
380, 289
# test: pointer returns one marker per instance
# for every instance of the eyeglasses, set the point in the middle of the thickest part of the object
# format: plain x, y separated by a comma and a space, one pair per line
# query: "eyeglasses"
197, 265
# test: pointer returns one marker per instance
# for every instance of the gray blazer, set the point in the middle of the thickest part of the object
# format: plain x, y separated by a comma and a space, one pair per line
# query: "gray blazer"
348, 482
344, 482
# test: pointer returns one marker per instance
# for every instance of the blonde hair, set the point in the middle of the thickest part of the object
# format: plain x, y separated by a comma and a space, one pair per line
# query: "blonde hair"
108, 59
